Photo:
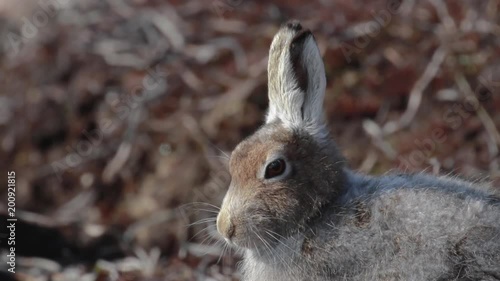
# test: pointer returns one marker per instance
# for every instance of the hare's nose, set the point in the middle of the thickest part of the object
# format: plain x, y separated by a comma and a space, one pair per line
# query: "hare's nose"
225, 226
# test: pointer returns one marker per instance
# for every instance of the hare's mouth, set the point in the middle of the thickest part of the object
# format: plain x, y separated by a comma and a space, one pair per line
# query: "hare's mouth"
257, 241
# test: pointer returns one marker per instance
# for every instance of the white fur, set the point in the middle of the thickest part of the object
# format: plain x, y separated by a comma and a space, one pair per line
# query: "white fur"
286, 99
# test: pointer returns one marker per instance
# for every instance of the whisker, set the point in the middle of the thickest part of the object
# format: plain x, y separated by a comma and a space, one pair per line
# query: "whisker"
223, 252
201, 231
286, 264
202, 221
270, 232
206, 210
199, 203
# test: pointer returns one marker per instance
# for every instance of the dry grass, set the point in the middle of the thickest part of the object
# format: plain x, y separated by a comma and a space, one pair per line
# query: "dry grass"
117, 115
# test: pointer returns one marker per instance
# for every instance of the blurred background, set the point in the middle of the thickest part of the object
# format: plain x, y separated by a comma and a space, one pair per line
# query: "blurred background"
117, 116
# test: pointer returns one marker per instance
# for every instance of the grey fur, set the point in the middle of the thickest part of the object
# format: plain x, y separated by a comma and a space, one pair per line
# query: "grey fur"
325, 222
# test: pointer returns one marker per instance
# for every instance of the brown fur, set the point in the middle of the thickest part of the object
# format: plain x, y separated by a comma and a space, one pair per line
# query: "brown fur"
254, 203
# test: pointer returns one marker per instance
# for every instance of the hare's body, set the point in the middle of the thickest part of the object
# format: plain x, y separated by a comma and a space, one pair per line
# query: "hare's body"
396, 227
301, 215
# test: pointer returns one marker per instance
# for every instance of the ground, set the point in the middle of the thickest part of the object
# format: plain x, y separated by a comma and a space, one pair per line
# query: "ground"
116, 116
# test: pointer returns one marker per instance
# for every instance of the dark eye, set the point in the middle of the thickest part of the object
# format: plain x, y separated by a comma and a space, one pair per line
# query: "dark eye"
275, 168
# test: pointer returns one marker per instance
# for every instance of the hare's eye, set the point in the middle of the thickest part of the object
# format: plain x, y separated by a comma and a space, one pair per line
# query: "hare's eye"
275, 168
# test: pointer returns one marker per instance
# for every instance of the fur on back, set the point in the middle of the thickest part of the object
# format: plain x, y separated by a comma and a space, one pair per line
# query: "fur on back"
395, 227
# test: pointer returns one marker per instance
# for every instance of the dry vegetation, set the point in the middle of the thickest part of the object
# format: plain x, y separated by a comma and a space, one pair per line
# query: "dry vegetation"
117, 115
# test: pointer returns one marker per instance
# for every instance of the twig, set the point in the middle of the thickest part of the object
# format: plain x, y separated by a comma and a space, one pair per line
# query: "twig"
375, 132
169, 30
192, 81
125, 148
154, 219
38, 219
121, 8
200, 250
40, 263
488, 123
417, 93
369, 162
444, 15
117, 163
237, 50
229, 103
228, 26
436, 165
49, 170
204, 142
113, 53
74, 209
149, 261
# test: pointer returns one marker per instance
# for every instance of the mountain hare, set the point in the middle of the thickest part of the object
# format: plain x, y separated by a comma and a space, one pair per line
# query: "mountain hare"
299, 213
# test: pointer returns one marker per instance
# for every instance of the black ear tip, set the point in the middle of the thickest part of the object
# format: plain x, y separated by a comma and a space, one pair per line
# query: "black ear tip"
301, 36
293, 25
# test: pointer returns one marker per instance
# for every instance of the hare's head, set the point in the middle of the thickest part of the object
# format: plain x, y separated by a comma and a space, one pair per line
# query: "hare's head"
286, 171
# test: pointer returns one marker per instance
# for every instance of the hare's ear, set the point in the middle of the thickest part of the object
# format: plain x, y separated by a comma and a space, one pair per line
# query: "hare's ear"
297, 80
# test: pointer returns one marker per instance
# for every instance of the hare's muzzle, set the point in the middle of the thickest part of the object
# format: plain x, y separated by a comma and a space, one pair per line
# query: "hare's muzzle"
225, 226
